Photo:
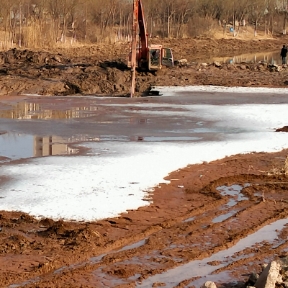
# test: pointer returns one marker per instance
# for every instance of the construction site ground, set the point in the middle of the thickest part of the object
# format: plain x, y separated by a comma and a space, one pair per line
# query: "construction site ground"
177, 227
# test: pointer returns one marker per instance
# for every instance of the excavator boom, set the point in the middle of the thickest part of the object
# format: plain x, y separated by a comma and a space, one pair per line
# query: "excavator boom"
146, 57
142, 29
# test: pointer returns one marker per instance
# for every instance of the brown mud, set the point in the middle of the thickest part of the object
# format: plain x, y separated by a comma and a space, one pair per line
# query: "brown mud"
176, 228
102, 69
180, 225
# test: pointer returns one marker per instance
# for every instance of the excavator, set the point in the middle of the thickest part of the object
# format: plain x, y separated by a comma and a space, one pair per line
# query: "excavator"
148, 57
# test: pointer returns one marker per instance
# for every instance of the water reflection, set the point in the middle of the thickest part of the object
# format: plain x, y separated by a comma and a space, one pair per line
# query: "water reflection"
51, 145
19, 146
164, 138
30, 110
272, 57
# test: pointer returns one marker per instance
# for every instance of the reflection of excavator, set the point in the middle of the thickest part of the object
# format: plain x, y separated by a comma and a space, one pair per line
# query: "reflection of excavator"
152, 57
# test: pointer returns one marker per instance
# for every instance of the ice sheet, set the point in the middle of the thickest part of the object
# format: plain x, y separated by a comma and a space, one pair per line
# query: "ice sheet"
107, 183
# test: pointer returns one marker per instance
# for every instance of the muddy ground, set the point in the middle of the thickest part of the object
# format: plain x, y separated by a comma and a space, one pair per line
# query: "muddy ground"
178, 227
102, 69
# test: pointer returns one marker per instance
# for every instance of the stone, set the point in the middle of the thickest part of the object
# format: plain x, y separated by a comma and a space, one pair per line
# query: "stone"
253, 278
217, 64
209, 284
183, 62
269, 277
57, 58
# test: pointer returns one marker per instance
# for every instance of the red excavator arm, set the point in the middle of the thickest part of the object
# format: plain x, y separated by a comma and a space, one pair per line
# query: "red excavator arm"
145, 57
142, 31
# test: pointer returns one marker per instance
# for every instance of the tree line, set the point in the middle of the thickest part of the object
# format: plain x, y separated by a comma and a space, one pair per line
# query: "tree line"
40, 23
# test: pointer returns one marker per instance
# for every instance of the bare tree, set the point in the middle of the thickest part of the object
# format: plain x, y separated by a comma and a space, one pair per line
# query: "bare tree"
5, 12
256, 10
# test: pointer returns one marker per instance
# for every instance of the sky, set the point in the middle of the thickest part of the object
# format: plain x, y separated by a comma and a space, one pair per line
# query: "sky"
116, 175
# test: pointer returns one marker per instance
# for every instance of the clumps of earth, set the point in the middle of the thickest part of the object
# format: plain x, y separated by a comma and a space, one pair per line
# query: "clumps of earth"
63, 73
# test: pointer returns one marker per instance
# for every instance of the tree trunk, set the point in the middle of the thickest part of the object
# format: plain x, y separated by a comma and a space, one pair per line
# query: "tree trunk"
255, 28
284, 23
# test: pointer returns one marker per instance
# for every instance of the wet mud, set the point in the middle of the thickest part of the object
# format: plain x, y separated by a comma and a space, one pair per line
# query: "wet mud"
206, 209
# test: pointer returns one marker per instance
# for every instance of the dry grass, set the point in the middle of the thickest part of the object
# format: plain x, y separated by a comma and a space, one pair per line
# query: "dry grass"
40, 36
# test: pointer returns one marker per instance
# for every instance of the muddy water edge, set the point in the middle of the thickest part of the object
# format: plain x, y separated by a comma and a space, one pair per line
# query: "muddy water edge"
207, 215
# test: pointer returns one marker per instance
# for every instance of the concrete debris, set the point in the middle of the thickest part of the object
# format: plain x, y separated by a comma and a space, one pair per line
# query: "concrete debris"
181, 62
209, 284
217, 64
273, 275
270, 276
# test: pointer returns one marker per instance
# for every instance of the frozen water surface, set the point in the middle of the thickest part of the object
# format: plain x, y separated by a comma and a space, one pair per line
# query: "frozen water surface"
120, 169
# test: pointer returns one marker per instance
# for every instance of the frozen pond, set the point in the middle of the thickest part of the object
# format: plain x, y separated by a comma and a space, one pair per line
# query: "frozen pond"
131, 148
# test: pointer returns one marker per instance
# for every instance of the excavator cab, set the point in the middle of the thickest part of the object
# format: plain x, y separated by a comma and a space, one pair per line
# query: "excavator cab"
146, 57
167, 57
158, 57
154, 59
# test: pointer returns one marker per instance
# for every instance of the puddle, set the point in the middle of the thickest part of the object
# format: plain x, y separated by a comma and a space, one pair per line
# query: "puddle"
31, 110
20, 146
231, 203
189, 219
201, 268
223, 217
234, 191
165, 138
224, 277
134, 245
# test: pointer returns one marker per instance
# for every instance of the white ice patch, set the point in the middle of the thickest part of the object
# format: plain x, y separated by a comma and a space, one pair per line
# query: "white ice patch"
115, 175
173, 90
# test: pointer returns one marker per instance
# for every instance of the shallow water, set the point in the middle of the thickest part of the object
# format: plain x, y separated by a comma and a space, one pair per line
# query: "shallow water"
270, 57
123, 139
201, 268
31, 109
18, 146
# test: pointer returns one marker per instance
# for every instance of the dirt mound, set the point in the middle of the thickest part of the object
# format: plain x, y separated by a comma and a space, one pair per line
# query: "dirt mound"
283, 129
102, 69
